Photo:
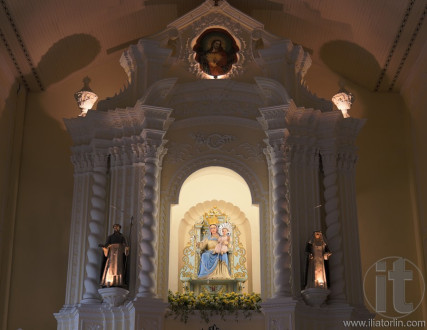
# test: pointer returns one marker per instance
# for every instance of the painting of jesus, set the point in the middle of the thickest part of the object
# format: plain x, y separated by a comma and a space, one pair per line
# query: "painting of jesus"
216, 52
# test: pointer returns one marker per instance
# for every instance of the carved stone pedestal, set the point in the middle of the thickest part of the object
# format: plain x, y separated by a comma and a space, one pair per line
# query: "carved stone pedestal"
113, 296
327, 317
279, 313
95, 317
315, 296
149, 313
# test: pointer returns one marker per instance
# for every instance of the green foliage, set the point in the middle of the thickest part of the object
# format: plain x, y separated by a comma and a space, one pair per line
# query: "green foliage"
182, 305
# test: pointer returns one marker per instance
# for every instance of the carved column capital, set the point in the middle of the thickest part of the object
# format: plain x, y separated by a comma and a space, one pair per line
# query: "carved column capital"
278, 150
82, 162
347, 161
100, 159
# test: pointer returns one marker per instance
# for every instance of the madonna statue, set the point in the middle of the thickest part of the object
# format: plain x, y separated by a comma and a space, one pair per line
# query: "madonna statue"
213, 261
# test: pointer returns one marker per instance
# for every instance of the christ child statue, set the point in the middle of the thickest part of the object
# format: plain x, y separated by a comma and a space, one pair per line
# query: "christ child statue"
223, 241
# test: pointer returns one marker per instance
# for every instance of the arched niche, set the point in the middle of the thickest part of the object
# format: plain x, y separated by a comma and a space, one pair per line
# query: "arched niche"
225, 189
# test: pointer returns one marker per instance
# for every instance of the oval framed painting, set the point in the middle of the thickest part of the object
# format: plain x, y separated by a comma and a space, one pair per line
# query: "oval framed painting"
216, 52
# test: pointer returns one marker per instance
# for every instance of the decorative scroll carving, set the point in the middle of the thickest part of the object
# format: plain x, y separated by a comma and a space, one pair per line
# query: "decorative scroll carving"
205, 143
214, 140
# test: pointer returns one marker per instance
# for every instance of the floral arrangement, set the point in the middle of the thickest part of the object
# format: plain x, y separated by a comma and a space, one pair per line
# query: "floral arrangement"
182, 305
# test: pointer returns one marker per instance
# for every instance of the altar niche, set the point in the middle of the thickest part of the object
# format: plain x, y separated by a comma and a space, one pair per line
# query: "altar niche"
214, 256
237, 269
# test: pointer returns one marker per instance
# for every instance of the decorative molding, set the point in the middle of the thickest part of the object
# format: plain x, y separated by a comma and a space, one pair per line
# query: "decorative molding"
408, 48
195, 164
21, 44
13, 58
181, 152
394, 44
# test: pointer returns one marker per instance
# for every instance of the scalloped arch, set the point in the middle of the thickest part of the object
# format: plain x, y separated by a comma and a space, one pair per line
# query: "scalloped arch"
193, 165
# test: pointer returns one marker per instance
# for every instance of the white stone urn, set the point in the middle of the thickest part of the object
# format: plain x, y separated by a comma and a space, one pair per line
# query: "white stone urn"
85, 98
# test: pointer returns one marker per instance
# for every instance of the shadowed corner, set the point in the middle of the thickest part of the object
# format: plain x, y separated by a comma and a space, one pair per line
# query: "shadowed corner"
352, 62
66, 56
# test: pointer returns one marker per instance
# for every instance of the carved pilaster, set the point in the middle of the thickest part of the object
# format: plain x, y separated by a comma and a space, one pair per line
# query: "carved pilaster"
96, 228
79, 218
347, 158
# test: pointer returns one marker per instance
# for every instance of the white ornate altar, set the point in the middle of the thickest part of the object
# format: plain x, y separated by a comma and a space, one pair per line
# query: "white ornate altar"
132, 155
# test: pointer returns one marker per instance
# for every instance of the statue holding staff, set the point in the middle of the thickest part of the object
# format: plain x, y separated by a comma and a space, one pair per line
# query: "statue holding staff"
116, 250
317, 270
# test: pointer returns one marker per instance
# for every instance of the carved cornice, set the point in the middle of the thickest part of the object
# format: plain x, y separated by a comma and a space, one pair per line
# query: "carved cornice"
116, 124
348, 131
129, 136
158, 92
327, 131
273, 118
297, 135
273, 92
302, 125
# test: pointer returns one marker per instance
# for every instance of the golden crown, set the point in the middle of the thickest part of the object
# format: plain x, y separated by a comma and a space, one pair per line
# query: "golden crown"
212, 220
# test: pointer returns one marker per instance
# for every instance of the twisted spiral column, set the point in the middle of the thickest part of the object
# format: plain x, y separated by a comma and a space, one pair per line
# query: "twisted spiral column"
282, 241
333, 227
146, 239
96, 229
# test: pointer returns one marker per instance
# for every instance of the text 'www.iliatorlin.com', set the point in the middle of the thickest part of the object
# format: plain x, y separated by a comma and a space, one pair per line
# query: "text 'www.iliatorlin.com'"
371, 323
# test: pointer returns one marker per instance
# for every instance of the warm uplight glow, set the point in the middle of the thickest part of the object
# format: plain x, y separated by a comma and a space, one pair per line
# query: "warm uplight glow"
319, 283
224, 76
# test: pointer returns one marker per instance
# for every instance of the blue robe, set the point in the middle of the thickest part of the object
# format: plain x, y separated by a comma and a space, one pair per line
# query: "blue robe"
209, 259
